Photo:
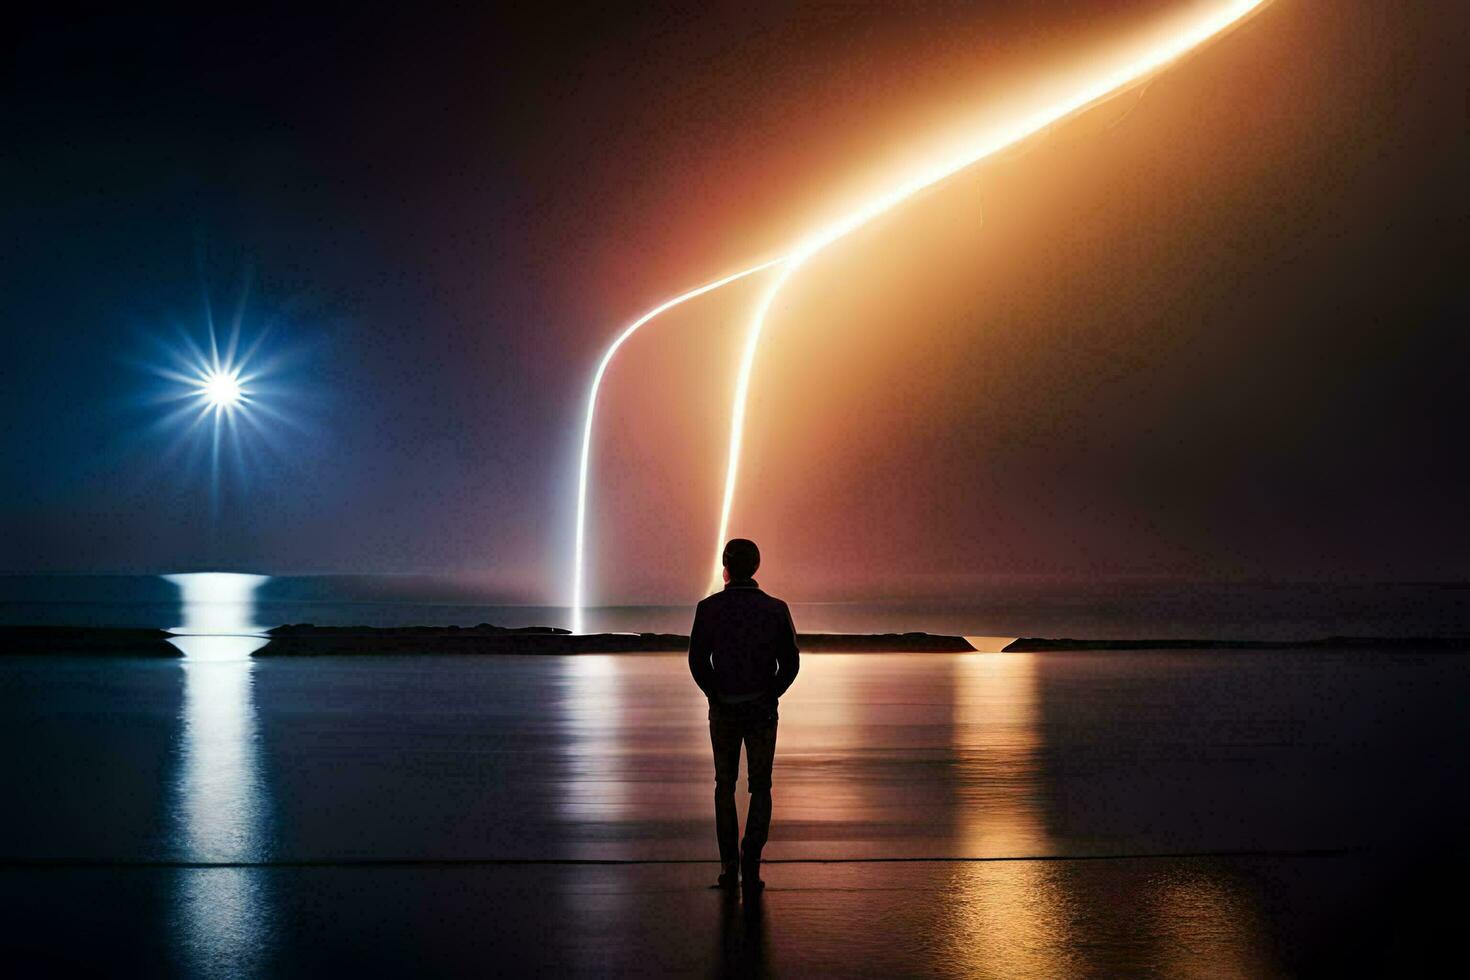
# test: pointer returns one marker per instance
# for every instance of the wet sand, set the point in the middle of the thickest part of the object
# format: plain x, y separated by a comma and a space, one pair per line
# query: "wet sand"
1169, 813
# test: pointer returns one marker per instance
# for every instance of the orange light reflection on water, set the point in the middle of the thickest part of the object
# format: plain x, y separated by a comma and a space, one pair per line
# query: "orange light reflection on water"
1007, 919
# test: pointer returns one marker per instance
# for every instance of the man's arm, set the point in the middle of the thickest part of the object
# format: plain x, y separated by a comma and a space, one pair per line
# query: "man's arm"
788, 656
699, 654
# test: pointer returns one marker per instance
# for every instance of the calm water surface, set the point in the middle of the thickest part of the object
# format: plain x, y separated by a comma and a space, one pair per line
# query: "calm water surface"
219, 758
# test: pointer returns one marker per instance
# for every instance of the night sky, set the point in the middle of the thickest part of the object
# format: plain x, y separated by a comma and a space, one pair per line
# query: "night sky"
1212, 332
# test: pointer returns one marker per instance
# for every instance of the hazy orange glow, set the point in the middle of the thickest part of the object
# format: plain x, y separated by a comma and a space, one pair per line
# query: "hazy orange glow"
1101, 83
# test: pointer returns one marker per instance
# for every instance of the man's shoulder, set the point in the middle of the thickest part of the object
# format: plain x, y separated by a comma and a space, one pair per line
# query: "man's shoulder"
727, 596
710, 601
779, 605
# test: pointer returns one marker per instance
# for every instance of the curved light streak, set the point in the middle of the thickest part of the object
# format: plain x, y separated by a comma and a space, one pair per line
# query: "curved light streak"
579, 579
1106, 86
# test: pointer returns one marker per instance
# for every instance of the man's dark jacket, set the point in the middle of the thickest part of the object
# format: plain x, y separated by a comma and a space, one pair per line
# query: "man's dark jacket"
743, 644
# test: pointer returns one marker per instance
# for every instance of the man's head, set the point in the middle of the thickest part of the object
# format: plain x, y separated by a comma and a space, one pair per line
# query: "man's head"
741, 559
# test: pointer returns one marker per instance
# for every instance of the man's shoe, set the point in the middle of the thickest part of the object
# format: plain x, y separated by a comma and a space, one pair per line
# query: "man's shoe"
729, 875
750, 872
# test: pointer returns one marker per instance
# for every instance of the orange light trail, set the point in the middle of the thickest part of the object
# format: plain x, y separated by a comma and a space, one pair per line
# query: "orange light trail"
1105, 86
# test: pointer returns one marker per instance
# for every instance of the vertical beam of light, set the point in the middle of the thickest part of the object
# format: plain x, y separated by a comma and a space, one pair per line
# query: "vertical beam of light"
1104, 87
579, 558
742, 391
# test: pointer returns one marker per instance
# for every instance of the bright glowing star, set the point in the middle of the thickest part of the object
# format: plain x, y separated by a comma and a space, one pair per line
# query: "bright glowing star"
221, 388
227, 398
1105, 86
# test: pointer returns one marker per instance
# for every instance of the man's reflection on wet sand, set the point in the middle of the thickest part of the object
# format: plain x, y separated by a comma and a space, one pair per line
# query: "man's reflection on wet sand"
221, 919
742, 933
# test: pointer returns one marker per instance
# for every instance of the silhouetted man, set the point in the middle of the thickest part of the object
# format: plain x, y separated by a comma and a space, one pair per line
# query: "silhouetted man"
743, 655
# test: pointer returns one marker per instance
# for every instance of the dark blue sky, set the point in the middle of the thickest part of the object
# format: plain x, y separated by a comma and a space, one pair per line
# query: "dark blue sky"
442, 219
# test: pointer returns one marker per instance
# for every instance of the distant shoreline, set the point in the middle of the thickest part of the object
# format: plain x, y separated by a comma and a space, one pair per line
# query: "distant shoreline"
308, 640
